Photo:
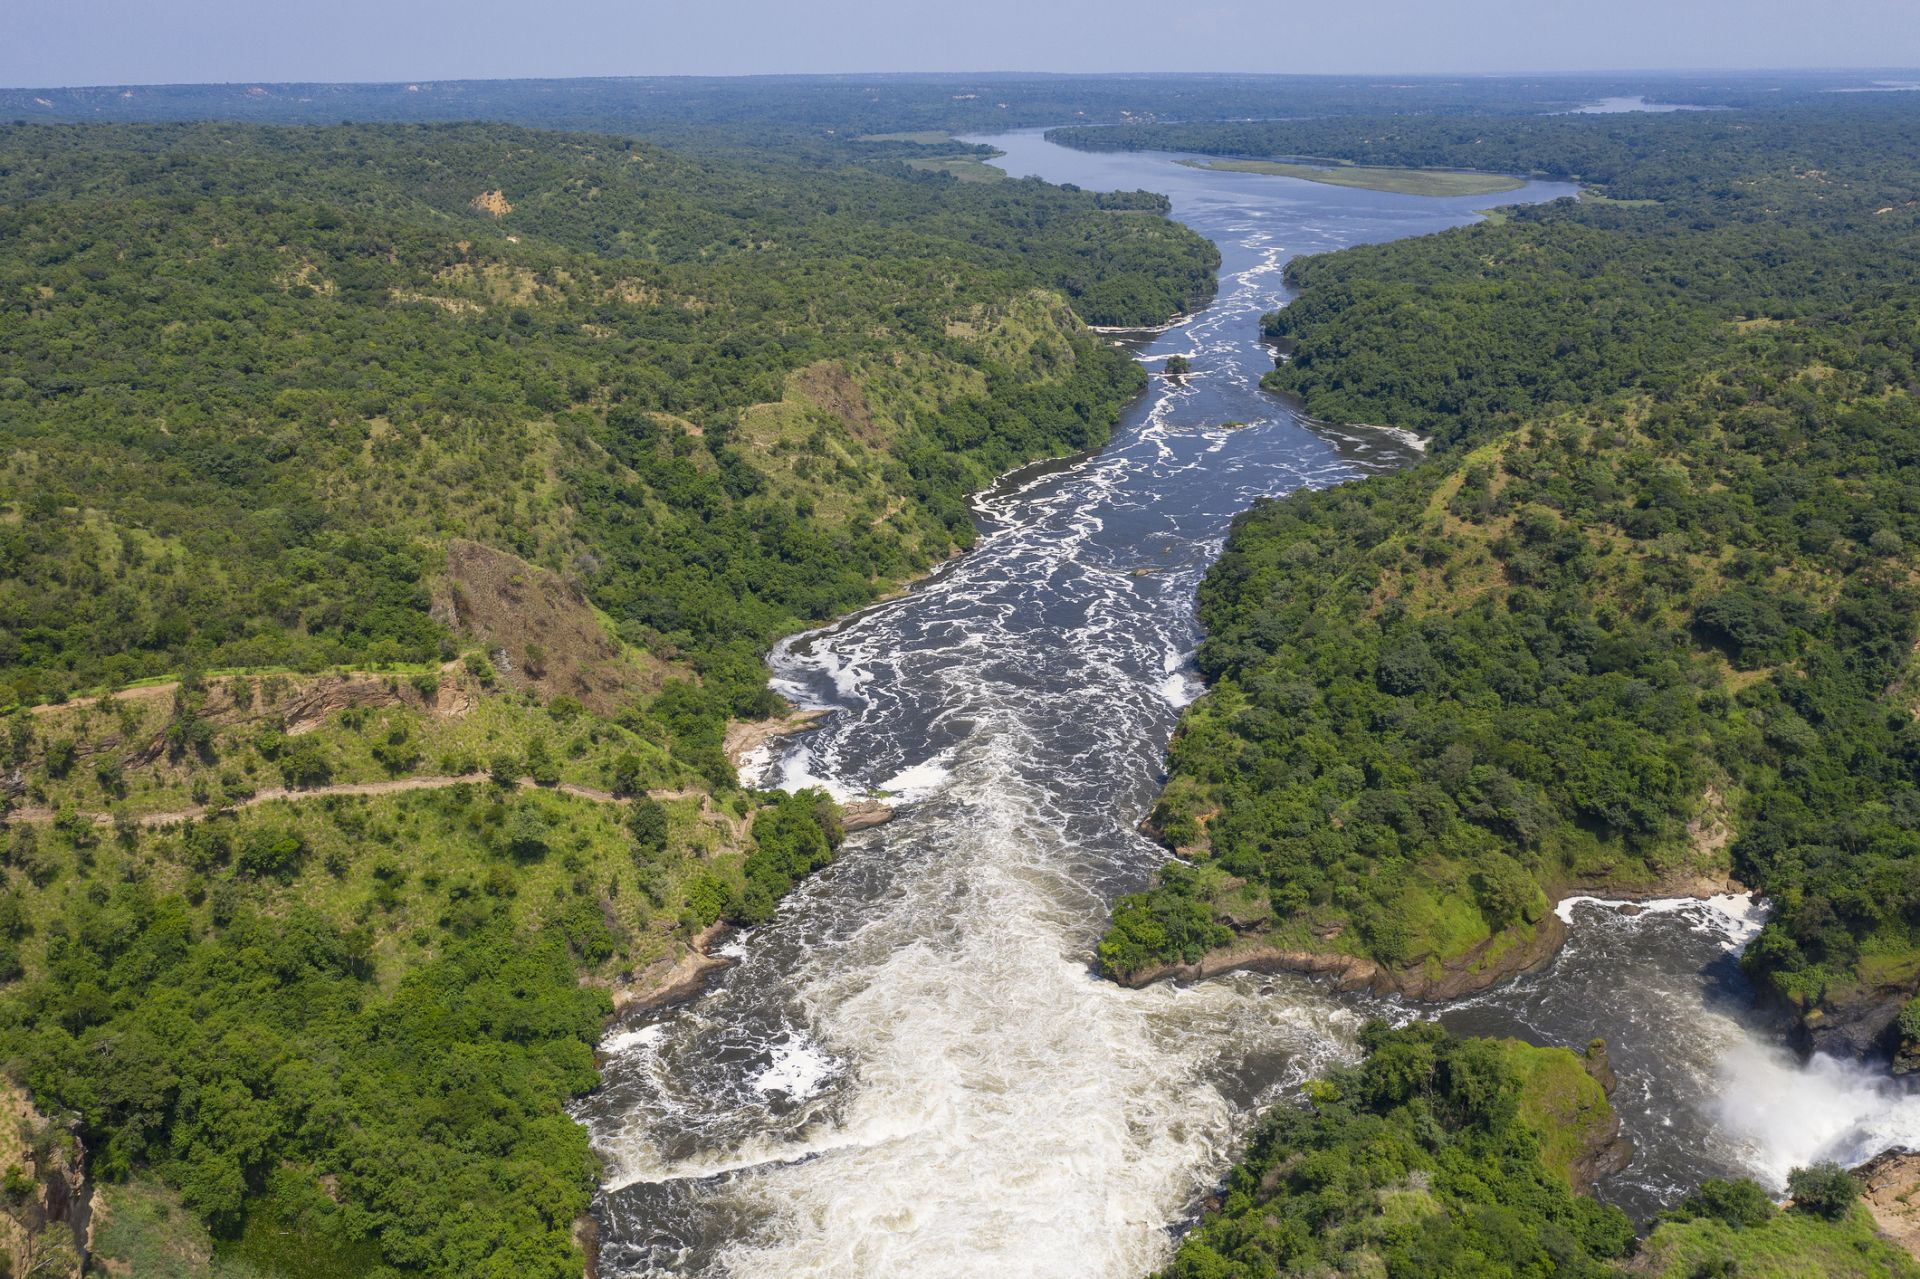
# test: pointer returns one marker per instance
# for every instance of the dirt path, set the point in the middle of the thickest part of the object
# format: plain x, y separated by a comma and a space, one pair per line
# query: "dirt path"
143, 693
154, 692
393, 787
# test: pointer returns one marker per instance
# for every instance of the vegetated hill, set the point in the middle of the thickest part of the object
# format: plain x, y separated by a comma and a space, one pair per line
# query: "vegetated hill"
1722, 163
437, 490
1645, 620
1439, 1157
254, 378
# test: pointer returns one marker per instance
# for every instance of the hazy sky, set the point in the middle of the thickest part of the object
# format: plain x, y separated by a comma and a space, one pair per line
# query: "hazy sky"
71, 42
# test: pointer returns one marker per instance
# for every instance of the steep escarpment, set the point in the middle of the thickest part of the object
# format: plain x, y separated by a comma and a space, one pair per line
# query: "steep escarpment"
1646, 618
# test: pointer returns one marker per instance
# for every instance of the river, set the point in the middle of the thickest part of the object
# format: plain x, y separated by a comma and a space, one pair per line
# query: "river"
912, 1069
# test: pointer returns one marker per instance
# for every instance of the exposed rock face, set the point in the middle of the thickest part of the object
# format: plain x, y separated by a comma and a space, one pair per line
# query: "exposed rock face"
862, 814
1598, 1065
1605, 1151
678, 977
1475, 971
552, 639
746, 736
43, 1229
1890, 1183
492, 203
1856, 1022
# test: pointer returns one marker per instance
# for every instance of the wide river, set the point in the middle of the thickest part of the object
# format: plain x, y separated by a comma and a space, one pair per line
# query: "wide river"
913, 1070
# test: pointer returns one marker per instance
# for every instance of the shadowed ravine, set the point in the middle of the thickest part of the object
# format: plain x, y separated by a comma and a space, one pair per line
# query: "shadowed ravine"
912, 1069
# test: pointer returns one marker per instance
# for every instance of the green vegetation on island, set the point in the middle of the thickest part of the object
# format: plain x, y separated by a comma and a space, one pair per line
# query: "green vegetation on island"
1433, 1157
1444, 1158
1435, 182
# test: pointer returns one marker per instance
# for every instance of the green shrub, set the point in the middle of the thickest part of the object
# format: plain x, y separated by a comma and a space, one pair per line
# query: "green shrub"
647, 823
1740, 1203
1823, 1189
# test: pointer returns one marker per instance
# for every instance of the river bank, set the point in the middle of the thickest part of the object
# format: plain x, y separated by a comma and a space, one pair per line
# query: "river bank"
1498, 959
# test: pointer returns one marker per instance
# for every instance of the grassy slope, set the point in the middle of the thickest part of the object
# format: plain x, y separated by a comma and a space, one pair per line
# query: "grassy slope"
566, 380
1790, 1246
1681, 732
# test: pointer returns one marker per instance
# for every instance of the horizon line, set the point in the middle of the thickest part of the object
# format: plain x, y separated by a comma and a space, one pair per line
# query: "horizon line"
1644, 72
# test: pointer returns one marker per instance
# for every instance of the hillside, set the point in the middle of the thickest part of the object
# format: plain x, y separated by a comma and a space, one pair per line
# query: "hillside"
1643, 622
392, 521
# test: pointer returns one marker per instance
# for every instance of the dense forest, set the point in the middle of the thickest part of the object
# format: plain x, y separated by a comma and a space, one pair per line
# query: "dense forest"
732, 398
1644, 620
1728, 164
1442, 1158
391, 520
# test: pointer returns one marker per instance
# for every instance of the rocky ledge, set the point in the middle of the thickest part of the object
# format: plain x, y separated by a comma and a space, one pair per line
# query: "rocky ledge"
1493, 961
1474, 971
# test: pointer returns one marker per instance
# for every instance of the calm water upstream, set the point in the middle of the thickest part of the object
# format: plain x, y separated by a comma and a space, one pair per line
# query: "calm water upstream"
912, 1069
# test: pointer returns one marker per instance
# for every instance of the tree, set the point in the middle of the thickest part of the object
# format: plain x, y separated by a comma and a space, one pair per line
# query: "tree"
1824, 1189
305, 763
541, 765
647, 823
528, 831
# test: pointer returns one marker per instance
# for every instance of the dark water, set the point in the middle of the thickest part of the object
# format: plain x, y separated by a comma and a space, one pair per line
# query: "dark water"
912, 1070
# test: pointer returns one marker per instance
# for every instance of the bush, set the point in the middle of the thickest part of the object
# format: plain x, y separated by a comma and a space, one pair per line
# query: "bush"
270, 851
304, 764
527, 832
1740, 1203
1825, 1190
541, 765
647, 822
396, 752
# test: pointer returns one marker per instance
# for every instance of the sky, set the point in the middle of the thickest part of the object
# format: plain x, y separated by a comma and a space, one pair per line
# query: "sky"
82, 42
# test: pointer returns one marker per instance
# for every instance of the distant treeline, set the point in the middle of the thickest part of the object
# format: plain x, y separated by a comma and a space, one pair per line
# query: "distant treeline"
825, 110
